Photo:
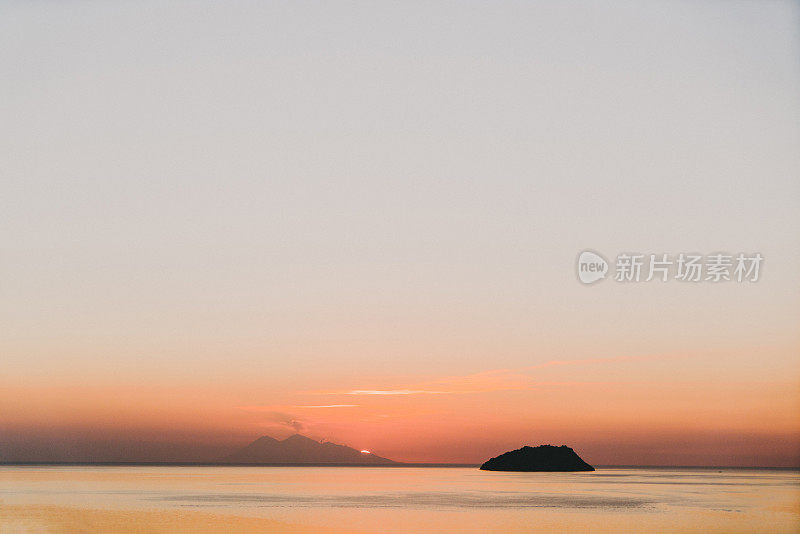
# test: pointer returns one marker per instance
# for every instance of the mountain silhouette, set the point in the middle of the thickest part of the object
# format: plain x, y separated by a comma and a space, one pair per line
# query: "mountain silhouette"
541, 458
299, 449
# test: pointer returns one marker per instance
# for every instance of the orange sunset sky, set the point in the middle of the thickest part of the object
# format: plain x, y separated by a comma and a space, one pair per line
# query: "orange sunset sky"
360, 222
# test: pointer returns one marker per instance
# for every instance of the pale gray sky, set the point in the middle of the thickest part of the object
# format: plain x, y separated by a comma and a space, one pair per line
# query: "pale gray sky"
251, 188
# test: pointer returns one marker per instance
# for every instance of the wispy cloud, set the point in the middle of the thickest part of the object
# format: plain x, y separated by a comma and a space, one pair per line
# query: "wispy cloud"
278, 419
589, 361
389, 392
273, 408
258, 408
327, 406
485, 381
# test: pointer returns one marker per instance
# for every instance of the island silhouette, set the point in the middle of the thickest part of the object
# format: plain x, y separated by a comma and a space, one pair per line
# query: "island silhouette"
301, 450
541, 458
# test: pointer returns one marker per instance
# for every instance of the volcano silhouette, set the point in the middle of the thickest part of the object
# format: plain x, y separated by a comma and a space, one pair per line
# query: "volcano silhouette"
298, 450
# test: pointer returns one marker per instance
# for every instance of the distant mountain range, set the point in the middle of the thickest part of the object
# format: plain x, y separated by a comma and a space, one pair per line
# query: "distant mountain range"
299, 449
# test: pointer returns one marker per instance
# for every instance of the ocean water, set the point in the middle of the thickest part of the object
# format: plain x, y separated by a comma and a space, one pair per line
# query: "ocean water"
395, 500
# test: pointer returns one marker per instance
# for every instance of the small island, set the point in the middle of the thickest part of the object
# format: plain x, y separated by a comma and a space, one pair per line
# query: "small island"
541, 458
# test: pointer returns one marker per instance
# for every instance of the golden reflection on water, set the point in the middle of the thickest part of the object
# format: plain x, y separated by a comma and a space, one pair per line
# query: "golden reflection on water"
395, 500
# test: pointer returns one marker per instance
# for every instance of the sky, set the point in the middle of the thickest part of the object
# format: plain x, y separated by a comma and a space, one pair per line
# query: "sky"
360, 221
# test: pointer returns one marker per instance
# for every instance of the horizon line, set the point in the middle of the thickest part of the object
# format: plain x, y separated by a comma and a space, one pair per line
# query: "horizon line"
394, 464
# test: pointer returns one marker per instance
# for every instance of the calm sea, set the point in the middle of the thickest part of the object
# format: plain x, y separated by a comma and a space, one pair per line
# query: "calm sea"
394, 500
